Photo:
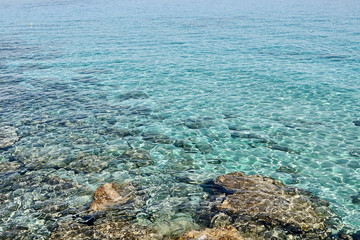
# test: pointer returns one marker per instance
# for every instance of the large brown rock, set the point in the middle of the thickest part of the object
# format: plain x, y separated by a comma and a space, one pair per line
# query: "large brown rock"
110, 216
111, 194
261, 208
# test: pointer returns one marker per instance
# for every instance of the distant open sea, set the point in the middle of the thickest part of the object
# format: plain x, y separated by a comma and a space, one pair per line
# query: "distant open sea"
170, 93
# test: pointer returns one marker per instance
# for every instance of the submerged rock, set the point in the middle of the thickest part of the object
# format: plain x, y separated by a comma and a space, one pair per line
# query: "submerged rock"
197, 123
355, 152
139, 157
157, 138
357, 122
110, 194
106, 195
286, 169
86, 163
186, 145
245, 135
355, 198
8, 136
118, 200
110, 217
179, 224
133, 95
32, 195
220, 233
104, 230
282, 148
254, 137
9, 167
261, 208
204, 148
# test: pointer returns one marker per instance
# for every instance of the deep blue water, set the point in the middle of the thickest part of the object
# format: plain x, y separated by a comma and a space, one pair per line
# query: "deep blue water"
199, 88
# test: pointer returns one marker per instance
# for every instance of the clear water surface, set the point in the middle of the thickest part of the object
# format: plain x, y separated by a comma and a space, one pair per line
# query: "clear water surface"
195, 88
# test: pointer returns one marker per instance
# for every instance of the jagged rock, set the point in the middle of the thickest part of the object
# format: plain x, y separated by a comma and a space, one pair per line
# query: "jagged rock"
111, 194
220, 233
261, 208
8, 136
103, 230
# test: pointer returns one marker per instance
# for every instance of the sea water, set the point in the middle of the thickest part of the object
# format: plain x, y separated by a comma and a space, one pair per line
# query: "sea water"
168, 94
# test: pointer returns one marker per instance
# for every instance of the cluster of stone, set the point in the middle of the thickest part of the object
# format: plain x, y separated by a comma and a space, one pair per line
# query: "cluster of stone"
241, 207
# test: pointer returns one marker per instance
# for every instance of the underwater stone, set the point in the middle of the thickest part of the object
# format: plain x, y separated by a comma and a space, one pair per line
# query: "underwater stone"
43, 198
355, 199
357, 122
136, 154
286, 169
110, 194
261, 207
355, 152
15, 232
133, 95
140, 158
245, 135
187, 146
9, 167
157, 138
107, 229
220, 233
197, 123
204, 148
119, 200
254, 137
282, 148
230, 115
109, 216
86, 163
105, 195
8, 136
119, 132
179, 224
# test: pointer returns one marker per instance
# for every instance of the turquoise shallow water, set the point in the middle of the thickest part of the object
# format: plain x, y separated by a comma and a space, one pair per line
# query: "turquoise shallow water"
195, 88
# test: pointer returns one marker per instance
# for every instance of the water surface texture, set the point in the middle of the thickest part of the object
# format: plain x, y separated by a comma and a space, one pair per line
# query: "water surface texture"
168, 94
